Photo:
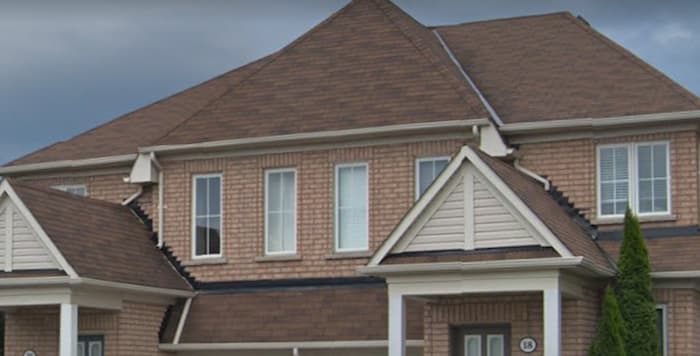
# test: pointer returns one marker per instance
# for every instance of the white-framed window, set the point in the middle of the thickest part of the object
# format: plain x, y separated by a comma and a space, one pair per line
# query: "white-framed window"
207, 215
662, 327
75, 189
634, 174
91, 345
280, 211
427, 169
351, 207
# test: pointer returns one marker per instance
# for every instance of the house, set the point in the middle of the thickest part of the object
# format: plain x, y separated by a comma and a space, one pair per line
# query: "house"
375, 187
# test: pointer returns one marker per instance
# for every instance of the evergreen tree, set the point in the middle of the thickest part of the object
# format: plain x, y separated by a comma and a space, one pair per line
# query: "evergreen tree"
609, 341
634, 292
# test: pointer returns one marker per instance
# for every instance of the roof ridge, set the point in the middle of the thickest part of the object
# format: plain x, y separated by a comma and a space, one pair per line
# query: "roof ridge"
499, 19
633, 58
461, 90
271, 59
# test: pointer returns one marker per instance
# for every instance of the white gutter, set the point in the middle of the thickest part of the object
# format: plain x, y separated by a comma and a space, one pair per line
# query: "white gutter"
389, 130
68, 281
469, 80
182, 321
592, 123
532, 175
485, 266
309, 345
68, 164
675, 275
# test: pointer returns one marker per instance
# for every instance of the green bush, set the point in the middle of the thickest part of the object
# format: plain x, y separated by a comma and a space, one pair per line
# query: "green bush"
634, 292
609, 341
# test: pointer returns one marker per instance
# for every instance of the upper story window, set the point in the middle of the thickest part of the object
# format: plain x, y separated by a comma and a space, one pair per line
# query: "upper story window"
280, 211
206, 215
427, 169
351, 207
637, 175
76, 189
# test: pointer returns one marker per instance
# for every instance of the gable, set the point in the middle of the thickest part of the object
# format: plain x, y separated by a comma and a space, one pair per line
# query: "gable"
469, 213
21, 248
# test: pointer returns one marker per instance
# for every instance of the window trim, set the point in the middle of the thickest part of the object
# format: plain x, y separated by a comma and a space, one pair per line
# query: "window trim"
338, 167
417, 170
664, 323
193, 217
633, 186
87, 339
265, 211
64, 188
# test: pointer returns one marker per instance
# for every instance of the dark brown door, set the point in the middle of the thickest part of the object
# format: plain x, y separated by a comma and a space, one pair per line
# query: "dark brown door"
487, 340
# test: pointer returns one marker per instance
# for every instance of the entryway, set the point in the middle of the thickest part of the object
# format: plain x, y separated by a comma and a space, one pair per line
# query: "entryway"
484, 340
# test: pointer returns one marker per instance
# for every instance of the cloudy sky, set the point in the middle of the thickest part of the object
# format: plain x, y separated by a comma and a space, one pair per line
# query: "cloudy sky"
68, 66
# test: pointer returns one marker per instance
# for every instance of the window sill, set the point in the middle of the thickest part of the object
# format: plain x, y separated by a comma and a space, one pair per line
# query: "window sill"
204, 261
642, 219
278, 258
349, 255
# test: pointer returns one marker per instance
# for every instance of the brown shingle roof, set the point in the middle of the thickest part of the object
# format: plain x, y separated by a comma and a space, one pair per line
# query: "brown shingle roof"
532, 193
555, 66
99, 240
368, 65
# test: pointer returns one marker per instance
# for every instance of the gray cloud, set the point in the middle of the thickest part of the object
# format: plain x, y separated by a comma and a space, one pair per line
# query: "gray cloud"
67, 66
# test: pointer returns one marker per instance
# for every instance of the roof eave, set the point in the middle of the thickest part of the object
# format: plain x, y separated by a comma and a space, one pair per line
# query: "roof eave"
88, 163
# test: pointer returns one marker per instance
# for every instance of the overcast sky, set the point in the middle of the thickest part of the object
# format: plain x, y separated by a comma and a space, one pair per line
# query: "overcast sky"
66, 67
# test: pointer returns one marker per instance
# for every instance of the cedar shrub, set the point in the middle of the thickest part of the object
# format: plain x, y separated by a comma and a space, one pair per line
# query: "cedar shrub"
609, 341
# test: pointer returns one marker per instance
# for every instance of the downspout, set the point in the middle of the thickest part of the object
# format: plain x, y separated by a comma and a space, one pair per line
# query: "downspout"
532, 175
161, 190
133, 197
182, 321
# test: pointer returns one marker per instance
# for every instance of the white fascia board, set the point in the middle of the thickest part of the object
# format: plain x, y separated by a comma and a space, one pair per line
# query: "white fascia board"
68, 164
308, 345
592, 123
486, 266
676, 275
321, 136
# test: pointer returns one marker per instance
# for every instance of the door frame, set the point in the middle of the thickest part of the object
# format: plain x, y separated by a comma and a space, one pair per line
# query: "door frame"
457, 333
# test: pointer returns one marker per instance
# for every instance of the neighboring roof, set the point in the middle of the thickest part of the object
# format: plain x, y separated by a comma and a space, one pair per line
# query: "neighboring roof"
347, 313
99, 240
666, 254
125, 134
559, 228
556, 66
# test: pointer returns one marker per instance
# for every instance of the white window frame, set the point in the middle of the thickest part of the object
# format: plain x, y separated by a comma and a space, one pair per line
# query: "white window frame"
633, 186
417, 169
664, 323
66, 187
193, 217
268, 172
338, 167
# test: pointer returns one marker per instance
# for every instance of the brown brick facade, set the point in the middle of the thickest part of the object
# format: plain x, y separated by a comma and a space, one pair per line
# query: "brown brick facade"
133, 331
683, 308
392, 191
571, 166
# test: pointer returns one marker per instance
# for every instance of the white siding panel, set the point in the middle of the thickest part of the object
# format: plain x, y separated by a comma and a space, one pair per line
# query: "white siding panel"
494, 224
3, 234
28, 252
444, 230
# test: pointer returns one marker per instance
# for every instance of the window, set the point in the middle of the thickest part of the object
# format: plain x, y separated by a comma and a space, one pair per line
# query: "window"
662, 327
351, 208
207, 216
427, 169
280, 211
91, 346
76, 189
634, 174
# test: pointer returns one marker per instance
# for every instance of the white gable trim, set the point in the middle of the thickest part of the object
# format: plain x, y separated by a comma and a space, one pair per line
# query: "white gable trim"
466, 153
6, 189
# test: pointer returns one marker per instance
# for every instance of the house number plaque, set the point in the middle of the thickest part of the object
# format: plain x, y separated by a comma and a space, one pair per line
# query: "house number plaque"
29, 353
528, 345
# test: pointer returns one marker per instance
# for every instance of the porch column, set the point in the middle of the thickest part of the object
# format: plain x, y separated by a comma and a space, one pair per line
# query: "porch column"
397, 323
68, 340
552, 321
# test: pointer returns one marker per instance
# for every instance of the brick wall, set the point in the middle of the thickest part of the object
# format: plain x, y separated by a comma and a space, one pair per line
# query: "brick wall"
133, 331
106, 186
391, 175
571, 165
683, 308
580, 322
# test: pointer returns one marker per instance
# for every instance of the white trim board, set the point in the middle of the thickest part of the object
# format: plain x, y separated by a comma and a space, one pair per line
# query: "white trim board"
467, 154
283, 345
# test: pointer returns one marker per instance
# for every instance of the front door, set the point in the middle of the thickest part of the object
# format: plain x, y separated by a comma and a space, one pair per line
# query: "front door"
481, 341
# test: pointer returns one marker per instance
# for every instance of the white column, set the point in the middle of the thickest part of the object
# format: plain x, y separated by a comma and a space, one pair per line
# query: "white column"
68, 341
552, 321
397, 323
